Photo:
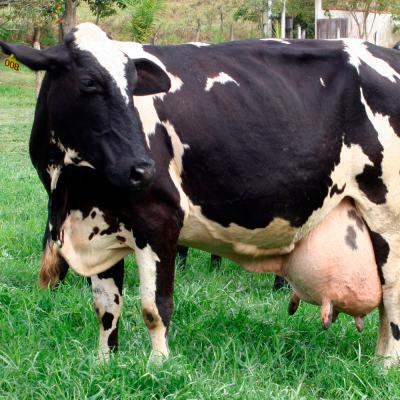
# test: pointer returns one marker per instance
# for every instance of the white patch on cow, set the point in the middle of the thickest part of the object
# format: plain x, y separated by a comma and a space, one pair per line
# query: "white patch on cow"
71, 156
236, 241
275, 40
148, 115
221, 78
146, 260
91, 38
322, 82
391, 150
352, 163
95, 255
358, 52
175, 166
199, 44
52, 138
104, 294
54, 171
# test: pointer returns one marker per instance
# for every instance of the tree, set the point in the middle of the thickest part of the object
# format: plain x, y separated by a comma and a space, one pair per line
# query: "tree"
360, 11
104, 8
253, 11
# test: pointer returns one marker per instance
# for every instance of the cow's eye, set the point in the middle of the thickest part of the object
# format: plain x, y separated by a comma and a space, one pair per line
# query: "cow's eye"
87, 82
88, 85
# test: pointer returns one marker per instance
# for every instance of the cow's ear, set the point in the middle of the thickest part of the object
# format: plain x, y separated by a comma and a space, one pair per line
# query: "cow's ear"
38, 60
151, 79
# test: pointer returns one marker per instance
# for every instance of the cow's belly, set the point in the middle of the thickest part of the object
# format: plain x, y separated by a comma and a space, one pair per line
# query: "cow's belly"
90, 245
236, 242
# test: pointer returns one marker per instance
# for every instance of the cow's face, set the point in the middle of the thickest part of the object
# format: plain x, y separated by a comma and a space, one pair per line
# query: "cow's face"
90, 86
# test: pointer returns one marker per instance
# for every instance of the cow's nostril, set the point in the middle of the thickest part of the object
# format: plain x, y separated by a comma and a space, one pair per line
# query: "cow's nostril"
136, 174
141, 176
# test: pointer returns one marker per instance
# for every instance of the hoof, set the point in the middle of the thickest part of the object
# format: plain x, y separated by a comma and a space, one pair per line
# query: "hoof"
103, 357
157, 359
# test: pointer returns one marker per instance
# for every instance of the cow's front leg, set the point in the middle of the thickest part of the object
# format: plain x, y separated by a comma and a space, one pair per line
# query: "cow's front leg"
107, 296
156, 266
53, 267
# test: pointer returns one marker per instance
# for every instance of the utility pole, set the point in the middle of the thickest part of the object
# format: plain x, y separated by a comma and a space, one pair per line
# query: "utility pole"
317, 4
283, 20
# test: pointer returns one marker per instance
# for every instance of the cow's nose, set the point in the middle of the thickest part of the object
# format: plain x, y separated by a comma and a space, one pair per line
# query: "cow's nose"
142, 175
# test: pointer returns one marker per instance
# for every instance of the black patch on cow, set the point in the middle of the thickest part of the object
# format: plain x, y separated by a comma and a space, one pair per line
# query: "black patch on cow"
395, 330
149, 317
336, 190
75, 160
116, 273
95, 231
372, 184
359, 222
93, 214
107, 320
121, 239
113, 339
116, 299
351, 238
381, 251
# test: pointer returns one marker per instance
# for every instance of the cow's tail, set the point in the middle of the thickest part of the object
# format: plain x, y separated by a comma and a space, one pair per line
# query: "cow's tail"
51, 268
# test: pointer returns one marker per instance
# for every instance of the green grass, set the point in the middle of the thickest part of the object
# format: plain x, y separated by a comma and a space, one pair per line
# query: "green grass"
231, 337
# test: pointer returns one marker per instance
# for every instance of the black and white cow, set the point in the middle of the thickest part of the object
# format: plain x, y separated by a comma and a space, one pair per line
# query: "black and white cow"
239, 149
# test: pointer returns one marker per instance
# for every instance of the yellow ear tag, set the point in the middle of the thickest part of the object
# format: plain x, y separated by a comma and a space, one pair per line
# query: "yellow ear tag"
11, 62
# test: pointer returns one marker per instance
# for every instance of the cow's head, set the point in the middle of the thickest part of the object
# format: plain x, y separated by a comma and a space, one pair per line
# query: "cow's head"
90, 85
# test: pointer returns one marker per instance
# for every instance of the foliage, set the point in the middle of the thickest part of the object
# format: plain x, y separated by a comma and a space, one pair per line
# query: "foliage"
396, 23
104, 8
25, 16
143, 18
302, 11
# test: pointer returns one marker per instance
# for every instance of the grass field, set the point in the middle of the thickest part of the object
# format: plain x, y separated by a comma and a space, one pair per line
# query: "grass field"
231, 337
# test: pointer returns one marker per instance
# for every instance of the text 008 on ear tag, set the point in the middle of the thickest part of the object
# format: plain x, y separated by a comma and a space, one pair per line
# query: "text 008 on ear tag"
11, 62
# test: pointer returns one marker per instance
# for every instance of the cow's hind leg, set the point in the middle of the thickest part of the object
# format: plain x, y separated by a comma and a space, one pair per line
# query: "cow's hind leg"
385, 238
107, 296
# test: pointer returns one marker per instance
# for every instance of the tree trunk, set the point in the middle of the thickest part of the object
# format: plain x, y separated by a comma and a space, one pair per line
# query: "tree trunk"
97, 15
231, 33
36, 45
221, 22
198, 30
68, 20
